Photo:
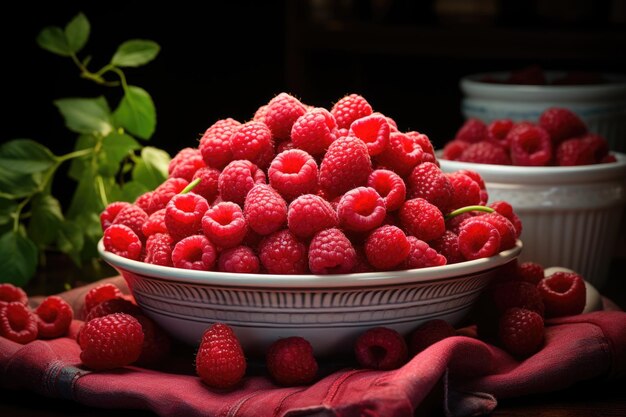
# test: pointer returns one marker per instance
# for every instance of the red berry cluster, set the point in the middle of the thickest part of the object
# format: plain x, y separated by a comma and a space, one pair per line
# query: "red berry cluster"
559, 138
301, 189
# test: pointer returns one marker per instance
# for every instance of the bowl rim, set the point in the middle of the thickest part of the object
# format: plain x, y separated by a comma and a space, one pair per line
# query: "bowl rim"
311, 281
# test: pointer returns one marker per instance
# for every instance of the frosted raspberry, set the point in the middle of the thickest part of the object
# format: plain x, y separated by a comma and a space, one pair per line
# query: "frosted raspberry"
159, 249
421, 255
101, 293
466, 192
290, 361
386, 247
308, 214
293, 173
281, 114
330, 252
207, 187
220, 361
350, 108
282, 253
224, 224
472, 131
563, 294
54, 317
381, 348
373, 130
237, 178
573, 152
346, 165
530, 272
253, 141
402, 154
498, 131
530, 145
194, 252
505, 209
361, 209
390, 186
18, 323
240, 259
485, 152
521, 332
478, 239
314, 131
561, 124
154, 224
156, 200
505, 229
134, 217
10, 293
448, 246
183, 215
427, 181
110, 212
185, 163
453, 150
429, 333
421, 219
122, 241
599, 146
215, 143
264, 209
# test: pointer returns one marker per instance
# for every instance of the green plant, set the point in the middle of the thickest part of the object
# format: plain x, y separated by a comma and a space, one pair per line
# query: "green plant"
108, 162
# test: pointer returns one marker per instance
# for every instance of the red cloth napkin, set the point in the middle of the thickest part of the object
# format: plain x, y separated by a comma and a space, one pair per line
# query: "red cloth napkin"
474, 374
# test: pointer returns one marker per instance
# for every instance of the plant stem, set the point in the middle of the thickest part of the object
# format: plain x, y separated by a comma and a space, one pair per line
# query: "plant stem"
467, 209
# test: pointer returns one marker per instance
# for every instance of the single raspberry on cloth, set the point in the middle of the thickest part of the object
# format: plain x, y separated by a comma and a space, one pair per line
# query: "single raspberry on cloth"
220, 362
18, 323
563, 294
54, 316
521, 332
381, 348
9, 293
429, 333
290, 361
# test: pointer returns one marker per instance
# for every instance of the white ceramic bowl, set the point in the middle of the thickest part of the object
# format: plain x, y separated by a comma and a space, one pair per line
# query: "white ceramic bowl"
601, 106
570, 215
328, 310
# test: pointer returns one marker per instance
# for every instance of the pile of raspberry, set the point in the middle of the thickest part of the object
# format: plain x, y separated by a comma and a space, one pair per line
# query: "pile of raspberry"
559, 138
300, 189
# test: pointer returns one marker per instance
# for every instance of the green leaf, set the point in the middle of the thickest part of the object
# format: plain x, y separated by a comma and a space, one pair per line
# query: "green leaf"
7, 208
77, 32
86, 198
25, 156
53, 39
135, 53
80, 164
115, 146
136, 112
18, 258
46, 219
151, 169
129, 191
86, 115
71, 240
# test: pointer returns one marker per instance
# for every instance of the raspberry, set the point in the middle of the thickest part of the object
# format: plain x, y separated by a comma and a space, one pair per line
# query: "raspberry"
478, 239
183, 215
424, 142
282, 253
421, 255
485, 152
17, 323
386, 247
154, 224
421, 219
453, 150
373, 130
530, 272
392, 123
345, 165
390, 186
110, 212
194, 252
531, 75
101, 293
224, 224
54, 317
314, 131
381, 348
9, 293
520, 294
240, 259
521, 332
113, 305
215, 143
264, 209
498, 131
220, 362
505, 229
259, 114
361, 209
448, 246
134, 217
156, 343
563, 294
465, 191
473, 175
599, 146
159, 249
285, 145
207, 187
281, 114
330, 252
402, 154
237, 178
573, 152
156, 200
110, 342
608, 159
308, 214
350, 108
427, 181
122, 241
290, 361
185, 164
292, 173
253, 141
530, 145
472, 131
505, 209
454, 224
429, 333
561, 124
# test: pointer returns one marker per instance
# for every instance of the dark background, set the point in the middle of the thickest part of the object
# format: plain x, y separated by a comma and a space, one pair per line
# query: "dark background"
225, 59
